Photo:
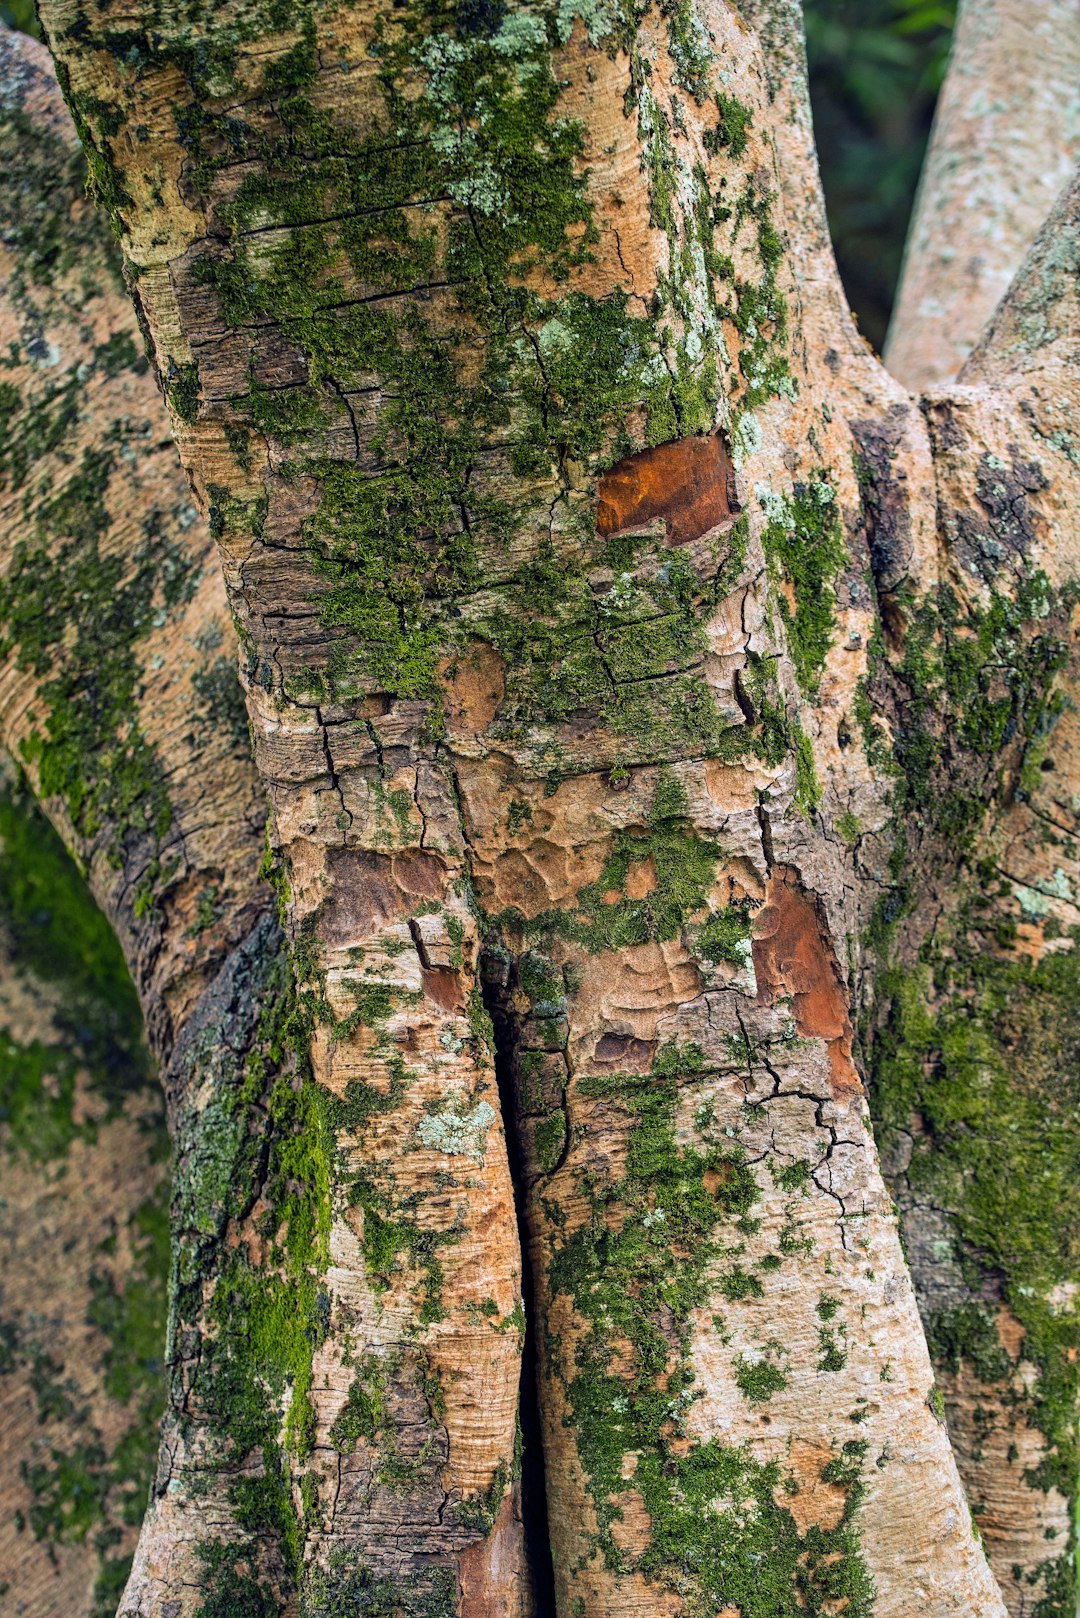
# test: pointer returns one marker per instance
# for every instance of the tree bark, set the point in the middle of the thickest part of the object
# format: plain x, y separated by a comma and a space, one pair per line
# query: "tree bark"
974, 1076
117, 686
119, 694
632, 663
1005, 141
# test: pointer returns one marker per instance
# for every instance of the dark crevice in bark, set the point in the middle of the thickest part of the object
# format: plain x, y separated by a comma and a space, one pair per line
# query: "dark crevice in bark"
534, 1507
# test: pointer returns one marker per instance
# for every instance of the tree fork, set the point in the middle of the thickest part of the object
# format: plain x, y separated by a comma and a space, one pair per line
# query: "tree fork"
1005, 142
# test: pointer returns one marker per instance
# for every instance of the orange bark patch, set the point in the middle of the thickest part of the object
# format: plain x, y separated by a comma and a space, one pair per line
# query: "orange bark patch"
818, 1504
491, 1571
688, 483
475, 686
641, 879
791, 958
443, 986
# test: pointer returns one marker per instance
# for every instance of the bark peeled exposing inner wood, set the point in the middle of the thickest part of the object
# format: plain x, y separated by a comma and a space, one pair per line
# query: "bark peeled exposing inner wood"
605, 605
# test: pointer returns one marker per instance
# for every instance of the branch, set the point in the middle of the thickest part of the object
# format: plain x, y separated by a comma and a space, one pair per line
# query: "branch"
1005, 140
119, 691
118, 683
781, 37
1035, 331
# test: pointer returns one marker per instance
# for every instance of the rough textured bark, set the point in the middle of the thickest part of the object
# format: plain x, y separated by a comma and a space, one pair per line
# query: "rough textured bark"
975, 1067
631, 661
119, 695
1006, 140
117, 687
426, 1316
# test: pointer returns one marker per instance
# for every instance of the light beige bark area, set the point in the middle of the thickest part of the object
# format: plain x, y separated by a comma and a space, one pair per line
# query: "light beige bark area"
1006, 139
632, 663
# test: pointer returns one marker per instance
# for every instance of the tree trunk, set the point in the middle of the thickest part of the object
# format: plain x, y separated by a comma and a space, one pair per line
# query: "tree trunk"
657, 707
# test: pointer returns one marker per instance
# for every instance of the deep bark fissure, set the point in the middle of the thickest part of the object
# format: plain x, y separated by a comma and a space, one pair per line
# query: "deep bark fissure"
533, 1483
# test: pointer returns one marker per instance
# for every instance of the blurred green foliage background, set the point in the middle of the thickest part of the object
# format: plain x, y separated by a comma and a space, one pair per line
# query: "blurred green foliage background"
875, 70
20, 14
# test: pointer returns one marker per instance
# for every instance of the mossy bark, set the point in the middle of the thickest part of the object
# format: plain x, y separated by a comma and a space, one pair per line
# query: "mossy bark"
616, 634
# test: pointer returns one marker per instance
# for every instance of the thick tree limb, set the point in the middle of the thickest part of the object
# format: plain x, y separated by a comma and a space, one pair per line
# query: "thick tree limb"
249, 1128
1006, 138
118, 689
117, 680
994, 991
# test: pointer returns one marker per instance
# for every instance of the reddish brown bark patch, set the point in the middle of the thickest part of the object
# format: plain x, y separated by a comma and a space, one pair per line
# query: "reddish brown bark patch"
475, 685
688, 483
791, 957
442, 985
492, 1572
368, 888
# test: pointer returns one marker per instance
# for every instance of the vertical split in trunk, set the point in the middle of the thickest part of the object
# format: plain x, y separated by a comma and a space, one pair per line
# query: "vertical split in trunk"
496, 978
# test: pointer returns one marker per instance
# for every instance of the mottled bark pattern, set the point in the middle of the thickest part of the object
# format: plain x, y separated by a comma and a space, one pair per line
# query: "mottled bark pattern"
117, 685
118, 693
614, 630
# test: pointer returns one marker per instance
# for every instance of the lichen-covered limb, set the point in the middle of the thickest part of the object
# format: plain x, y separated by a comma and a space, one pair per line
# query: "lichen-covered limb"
550, 497
1006, 139
337, 1318
118, 687
1002, 1334
118, 684
972, 1059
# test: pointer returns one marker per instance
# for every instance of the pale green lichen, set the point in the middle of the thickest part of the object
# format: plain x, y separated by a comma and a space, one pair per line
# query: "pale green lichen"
458, 1134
